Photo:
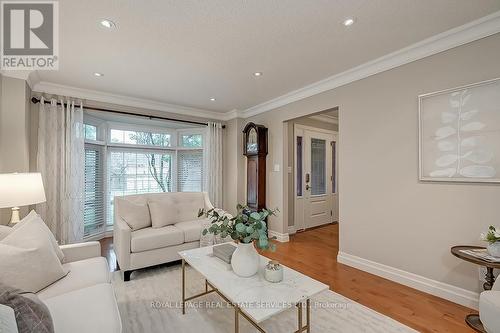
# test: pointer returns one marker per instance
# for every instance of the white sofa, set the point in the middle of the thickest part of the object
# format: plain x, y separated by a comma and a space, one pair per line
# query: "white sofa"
489, 308
84, 300
152, 245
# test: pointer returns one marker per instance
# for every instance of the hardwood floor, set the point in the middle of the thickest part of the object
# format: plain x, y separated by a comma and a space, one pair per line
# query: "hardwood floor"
314, 253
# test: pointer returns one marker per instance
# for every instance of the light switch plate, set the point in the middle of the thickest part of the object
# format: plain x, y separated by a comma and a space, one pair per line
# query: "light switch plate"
276, 168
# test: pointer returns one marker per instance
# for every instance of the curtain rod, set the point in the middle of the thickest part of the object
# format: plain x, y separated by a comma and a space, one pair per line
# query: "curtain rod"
35, 100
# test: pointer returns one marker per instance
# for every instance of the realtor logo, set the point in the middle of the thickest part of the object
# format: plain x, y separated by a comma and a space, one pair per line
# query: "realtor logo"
29, 36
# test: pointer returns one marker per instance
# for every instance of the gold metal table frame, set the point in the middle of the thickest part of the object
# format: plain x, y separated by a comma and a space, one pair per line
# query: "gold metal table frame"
238, 311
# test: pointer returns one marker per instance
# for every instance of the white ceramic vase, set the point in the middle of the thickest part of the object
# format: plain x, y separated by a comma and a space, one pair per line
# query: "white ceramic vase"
245, 260
494, 249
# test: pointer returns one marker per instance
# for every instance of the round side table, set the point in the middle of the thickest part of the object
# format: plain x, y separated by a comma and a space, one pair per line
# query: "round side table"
473, 319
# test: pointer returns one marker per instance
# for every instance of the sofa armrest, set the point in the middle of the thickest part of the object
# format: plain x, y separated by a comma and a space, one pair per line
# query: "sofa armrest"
121, 239
489, 310
80, 251
208, 204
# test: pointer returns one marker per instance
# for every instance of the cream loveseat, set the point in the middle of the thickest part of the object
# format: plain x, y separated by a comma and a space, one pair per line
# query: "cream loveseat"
149, 229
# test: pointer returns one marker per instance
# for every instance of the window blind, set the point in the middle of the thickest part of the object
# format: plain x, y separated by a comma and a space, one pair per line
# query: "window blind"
133, 171
94, 190
189, 170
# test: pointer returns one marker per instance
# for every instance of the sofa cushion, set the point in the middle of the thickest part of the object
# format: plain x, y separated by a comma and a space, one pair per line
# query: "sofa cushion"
192, 229
151, 238
29, 261
136, 215
92, 309
82, 274
171, 208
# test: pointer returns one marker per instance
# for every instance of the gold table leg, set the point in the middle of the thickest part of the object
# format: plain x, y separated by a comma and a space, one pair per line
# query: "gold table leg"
236, 320
308, 315
299, 306
237, 311
300, 319
183, 286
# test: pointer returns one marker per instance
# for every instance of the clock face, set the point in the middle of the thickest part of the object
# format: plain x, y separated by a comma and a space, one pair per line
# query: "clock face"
252, 141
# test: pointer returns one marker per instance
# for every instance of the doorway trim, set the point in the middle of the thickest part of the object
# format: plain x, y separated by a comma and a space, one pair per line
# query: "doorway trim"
293, 191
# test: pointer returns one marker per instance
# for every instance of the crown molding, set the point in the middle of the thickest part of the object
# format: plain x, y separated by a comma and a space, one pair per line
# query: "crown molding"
31, 77
233, 114
98, 96
483, 27
326, 119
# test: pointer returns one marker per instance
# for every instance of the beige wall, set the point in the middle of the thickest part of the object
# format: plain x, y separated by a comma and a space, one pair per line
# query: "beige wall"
386, 215
14, 130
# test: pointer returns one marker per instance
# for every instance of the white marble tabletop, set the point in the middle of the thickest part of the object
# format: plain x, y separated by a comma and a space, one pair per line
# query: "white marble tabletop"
256, 297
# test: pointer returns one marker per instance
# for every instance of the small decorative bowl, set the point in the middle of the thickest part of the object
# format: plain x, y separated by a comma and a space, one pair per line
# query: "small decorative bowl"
273, 272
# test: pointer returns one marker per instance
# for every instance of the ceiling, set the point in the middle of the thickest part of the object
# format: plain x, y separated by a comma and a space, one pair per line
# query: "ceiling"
185, 52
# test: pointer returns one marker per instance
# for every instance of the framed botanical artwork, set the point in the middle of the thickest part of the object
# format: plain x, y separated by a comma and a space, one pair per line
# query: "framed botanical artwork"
459, 134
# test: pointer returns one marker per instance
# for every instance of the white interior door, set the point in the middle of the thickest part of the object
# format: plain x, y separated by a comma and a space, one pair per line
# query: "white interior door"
315, 180
318, 204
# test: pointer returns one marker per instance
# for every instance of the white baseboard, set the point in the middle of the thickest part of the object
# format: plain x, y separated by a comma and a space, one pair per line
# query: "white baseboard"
291, 230
447, 291
283, 238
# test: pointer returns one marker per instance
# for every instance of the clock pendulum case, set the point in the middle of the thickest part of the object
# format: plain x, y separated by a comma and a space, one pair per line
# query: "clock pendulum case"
255, 149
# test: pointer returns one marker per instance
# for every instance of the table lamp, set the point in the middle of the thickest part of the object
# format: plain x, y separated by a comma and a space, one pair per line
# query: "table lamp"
20, 189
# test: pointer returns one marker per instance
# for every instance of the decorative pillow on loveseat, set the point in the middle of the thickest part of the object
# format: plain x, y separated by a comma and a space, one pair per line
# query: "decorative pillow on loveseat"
136, 215
32, 315
28, 259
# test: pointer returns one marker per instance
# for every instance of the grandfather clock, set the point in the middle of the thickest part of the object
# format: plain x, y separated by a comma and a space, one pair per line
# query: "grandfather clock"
255, 149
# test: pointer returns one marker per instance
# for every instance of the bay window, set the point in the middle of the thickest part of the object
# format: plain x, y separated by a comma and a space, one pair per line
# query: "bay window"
123, 159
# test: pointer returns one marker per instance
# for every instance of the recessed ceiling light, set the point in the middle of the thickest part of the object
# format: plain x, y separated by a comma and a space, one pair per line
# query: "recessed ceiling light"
108, 24
348, 21
257, 74
98, 74
213, 99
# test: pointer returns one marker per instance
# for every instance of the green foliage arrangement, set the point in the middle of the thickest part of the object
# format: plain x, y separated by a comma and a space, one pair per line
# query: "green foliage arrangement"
246, 227
492, 236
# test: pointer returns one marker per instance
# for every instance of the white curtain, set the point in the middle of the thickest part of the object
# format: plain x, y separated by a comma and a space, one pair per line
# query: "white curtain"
60, 159
213, 163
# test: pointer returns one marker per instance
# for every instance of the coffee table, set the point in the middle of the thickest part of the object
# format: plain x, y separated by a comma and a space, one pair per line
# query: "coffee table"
254, 298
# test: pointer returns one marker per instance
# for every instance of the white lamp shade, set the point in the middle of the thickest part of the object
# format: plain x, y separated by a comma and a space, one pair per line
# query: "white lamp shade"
21, 189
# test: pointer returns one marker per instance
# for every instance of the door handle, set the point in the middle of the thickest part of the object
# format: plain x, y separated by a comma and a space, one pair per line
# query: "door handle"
307, 187
307, 177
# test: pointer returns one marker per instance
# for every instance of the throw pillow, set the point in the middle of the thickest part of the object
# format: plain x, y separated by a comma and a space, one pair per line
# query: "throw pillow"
161, 215
33, 215
135, 215
31, 314
29, 261
4, 231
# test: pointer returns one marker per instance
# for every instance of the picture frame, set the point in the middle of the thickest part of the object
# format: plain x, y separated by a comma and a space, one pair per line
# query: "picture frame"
459, 134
